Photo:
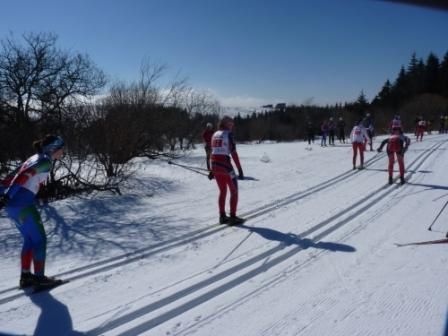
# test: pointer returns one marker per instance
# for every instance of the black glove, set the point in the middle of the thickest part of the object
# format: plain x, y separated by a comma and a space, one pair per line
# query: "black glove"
210, 176
240, 174
379, 150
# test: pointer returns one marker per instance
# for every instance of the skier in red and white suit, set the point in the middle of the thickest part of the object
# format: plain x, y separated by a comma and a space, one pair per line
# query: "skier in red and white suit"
359, 138
397, 145
223, 147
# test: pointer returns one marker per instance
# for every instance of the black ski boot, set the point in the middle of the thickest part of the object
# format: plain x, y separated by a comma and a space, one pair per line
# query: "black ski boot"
223, 219
27, 279
402, 181
44, 281
235, 220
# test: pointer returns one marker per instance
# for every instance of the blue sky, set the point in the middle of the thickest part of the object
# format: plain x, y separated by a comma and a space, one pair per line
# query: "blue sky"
246, 52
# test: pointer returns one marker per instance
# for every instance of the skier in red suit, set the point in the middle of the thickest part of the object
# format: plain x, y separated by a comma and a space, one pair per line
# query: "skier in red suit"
224, 148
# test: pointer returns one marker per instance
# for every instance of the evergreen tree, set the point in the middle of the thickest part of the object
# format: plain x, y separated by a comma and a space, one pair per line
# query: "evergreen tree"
415, 75
399, 90
384, 96
443, 76
431, 74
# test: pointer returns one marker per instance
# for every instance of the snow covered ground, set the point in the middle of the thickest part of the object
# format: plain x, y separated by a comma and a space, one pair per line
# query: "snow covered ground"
316, 256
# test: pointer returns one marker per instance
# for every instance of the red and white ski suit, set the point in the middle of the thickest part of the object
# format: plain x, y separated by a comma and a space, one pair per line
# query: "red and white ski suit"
397, 145
223, 147
421, 126
358, 137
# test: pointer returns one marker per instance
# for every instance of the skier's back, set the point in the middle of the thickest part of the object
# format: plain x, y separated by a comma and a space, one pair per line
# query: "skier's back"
397, 145
358, 137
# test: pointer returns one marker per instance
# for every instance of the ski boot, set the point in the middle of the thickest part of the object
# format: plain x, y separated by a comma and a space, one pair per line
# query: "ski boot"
402, 181
27, 279
44, 281
235, 220
391, 180
223, 219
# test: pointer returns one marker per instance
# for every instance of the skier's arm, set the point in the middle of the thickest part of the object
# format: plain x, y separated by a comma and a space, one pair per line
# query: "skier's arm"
235, 157
407, 142
383, 143
22, 178
366, 136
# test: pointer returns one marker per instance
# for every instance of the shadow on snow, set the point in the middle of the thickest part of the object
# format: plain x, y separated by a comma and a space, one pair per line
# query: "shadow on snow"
293, 239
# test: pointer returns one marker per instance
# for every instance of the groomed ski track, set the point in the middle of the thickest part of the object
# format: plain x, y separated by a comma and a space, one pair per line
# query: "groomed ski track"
117, 261
279, 258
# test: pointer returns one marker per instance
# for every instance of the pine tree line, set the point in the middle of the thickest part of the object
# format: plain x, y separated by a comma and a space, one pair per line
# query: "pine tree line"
419, 91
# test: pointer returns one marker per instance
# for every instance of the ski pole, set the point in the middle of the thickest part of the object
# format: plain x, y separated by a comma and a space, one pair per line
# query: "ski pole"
197, 170
435, 219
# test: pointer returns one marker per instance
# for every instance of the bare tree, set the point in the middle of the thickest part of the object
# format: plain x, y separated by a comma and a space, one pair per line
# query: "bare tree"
197, 103
37, 80
39, 83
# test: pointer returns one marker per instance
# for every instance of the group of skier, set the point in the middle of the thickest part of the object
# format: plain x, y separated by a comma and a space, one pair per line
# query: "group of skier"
329, 129
21, 187
396, 144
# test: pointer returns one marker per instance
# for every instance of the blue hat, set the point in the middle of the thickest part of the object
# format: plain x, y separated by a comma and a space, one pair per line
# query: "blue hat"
53, 146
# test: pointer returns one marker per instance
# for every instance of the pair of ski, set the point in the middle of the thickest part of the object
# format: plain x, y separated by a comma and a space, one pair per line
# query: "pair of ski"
47, 287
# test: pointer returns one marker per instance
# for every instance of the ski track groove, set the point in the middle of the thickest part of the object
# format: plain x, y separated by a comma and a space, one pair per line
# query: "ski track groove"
145, 326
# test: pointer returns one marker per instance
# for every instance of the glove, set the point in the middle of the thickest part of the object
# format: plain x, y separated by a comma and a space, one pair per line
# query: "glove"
378, 150
210, 176
240, 174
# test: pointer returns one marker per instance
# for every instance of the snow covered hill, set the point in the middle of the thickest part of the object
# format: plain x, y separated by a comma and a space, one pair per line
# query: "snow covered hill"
316, 256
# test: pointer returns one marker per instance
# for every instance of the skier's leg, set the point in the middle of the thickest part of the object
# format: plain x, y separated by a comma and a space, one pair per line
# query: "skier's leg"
233, 186
354, 146
27, 252
400, 160
361, 156
391, 164
221, 181
207, 157
38, 237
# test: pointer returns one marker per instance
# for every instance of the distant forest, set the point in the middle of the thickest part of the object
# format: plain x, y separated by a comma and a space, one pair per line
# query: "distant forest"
44, 89
419, 91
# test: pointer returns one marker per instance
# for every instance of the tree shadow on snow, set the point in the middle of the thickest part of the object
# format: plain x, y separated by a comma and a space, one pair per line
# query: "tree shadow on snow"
93, 226
293, 239
54, 318
101, 225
